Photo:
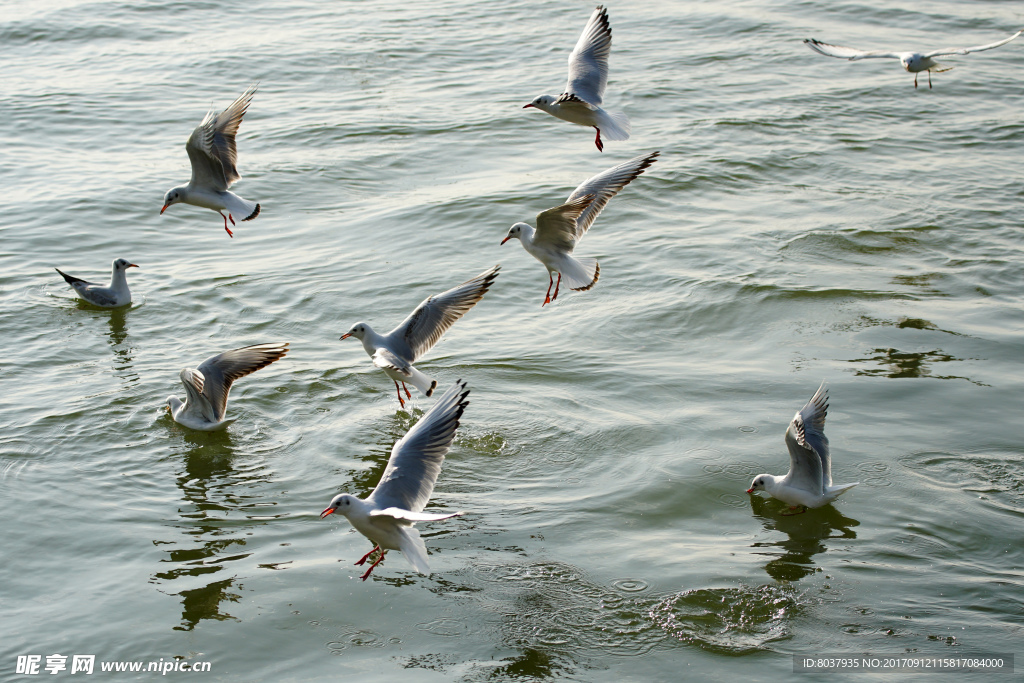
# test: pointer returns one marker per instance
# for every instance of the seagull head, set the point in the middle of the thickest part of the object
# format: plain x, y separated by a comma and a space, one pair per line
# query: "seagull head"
173, 197
542, 102
515, 231
173, 404
358, 331
123, 264
759, 483
912, 62
340, 503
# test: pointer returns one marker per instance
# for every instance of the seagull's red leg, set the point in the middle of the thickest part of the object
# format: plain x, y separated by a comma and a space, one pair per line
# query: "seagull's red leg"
557, 286
547, 295
407, 394
915, 80
232, 218
399, 392
230, 234
365, 557
929, 79
379, 560
597, 140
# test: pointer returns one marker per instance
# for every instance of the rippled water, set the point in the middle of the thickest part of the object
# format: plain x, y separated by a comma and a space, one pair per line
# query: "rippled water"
809, 219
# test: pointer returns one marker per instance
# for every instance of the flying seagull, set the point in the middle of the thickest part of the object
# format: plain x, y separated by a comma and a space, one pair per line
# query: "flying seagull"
387, 515
914, 62
211, 149
588, 76
809, 481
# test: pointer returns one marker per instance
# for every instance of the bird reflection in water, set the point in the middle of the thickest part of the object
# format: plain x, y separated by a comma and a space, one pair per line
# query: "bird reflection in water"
792, 558
123, 351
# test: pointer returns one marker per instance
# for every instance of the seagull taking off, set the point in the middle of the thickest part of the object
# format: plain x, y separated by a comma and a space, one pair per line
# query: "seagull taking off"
211, 149
207, 387
560, 229
588, 76
387, 515
809, 481
396, 351
114, 296
913, 62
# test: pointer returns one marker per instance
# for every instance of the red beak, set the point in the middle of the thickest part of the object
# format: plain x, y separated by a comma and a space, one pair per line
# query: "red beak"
132, 265
750, 490
327, 512
164, 209
505, 240
345, 336
527, 106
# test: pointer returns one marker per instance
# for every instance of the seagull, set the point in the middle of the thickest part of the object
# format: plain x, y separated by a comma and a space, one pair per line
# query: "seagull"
207, 388
560, 229
913, 62
396, 351
387, 515
114, 296
588, 76
211, 149
809, 481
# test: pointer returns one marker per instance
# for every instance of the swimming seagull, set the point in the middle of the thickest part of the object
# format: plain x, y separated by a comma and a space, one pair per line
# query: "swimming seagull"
560, 229
588, 76
396, 351
387, 515
207, 387
809, 481
117, 294
914, 62
211, 149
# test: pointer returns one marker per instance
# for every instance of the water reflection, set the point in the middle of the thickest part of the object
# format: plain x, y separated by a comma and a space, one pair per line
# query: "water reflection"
214, 486
806, 535
899, 364
123, 351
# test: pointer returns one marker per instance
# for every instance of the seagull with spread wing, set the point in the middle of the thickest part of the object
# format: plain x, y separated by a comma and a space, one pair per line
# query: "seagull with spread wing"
396, 351
560, 229
913, 62
584, 91
388, 514
207, 388
113, 296
809, 481
211, 149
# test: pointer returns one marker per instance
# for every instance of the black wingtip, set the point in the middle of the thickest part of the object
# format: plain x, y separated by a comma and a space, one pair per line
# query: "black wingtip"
253, 214
70, 279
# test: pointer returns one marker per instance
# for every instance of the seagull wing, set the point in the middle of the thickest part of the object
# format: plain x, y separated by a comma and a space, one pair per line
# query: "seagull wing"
588, 63
432, 318
556, 228
968, 50
846, 52
221, 371
810, 461
416, 459
211, 147
604, 186
196, 402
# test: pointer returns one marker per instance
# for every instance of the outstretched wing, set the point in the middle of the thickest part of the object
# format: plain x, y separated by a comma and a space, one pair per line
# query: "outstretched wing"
810, 461
432, 318
222, 370
968, 50
211, 147
556, 227
846, 52
588, 63
196, 401
606, 185
416, 459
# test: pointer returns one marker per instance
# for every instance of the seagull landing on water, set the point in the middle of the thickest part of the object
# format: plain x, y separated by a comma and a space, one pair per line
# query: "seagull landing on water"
211, 149
809, 481
114, 296
207, 387
914, 62
396, 351
560, 229
588, 76
387, 515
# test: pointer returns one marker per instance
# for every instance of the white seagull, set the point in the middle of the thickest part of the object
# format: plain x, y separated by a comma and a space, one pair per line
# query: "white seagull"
913, 62
387, 515
114, 296
207, 387
396, 351
211, 149
588, 76
809, 481
560, 229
